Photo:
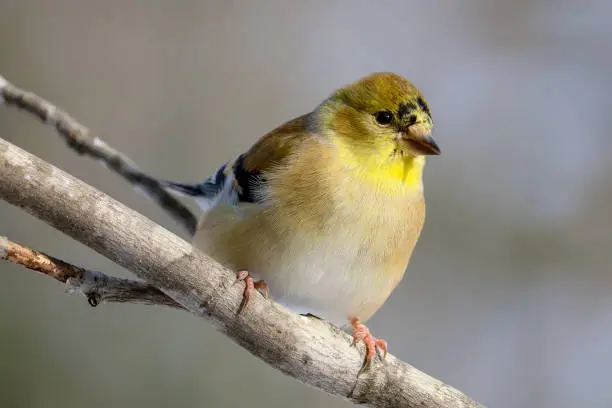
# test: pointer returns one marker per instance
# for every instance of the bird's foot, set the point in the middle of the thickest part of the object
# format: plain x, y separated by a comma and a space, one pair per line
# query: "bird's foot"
249, 286
362, 333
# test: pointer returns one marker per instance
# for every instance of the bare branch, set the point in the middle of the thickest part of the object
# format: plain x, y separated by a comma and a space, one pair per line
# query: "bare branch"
95, 286
78, 138
309, 350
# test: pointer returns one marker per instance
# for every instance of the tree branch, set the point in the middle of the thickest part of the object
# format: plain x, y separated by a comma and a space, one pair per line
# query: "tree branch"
78, 138
309, 350
95, 286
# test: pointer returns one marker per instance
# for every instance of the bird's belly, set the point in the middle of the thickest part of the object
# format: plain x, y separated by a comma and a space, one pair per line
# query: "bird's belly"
329, 282
340, 273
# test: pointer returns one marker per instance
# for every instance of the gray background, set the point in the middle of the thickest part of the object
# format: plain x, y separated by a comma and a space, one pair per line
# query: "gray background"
508, 294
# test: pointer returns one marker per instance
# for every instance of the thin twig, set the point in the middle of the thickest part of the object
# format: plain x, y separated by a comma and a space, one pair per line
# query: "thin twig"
77, 137
95, 286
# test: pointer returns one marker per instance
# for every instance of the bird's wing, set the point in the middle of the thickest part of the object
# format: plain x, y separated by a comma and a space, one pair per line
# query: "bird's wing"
240, 180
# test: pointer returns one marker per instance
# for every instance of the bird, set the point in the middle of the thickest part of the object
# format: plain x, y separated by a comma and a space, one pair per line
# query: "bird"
323, 212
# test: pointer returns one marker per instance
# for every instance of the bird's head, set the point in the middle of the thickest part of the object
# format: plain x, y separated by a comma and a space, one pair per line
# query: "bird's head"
382, 114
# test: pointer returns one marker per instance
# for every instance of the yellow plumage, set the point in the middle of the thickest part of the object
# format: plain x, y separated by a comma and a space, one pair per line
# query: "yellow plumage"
328, 207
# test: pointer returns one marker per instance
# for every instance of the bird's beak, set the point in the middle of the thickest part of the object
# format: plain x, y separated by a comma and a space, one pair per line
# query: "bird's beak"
419, 138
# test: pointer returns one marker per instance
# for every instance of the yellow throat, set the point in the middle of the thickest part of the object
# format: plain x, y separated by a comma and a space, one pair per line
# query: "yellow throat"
378, 166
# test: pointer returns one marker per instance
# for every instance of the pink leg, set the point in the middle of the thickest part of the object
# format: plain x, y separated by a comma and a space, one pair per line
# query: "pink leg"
250, 285
362, 333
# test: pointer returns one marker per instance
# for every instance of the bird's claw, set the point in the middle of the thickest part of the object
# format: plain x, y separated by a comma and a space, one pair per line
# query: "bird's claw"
373, 344
249, 286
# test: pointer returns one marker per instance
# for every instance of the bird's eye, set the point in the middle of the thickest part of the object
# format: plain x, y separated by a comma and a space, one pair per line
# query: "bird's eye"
383, 117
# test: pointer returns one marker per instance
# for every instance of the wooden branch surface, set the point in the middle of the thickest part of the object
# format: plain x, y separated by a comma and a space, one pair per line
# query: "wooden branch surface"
309, 350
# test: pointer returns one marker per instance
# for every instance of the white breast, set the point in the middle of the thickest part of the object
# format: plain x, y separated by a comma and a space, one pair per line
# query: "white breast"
346, 270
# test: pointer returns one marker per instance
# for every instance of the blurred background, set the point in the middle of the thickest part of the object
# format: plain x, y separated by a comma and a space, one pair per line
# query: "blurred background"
508, 294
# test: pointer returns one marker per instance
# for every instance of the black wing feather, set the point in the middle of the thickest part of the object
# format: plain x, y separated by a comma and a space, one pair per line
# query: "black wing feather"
243, 188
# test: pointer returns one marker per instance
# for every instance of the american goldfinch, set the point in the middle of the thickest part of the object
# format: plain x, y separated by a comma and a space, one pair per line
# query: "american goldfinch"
325, 210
